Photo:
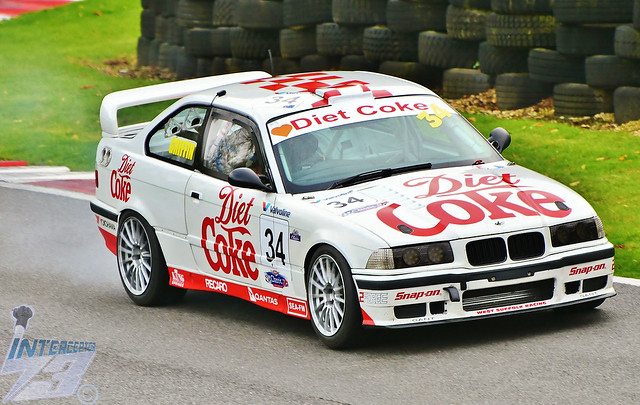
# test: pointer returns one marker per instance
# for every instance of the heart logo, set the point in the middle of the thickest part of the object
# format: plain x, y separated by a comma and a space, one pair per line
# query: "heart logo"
283, 130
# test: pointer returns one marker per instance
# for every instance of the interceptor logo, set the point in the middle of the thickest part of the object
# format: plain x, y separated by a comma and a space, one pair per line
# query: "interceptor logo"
47, 368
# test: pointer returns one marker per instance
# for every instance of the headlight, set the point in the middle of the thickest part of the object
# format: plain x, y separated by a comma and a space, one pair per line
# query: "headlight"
577, 232
411, 256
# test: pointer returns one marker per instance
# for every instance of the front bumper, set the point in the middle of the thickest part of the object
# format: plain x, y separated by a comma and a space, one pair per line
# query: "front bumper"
400, 301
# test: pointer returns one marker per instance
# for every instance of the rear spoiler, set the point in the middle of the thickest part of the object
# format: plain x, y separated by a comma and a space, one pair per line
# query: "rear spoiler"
162, 92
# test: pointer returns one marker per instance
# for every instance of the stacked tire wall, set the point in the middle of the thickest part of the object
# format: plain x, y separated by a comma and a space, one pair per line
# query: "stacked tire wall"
583, 53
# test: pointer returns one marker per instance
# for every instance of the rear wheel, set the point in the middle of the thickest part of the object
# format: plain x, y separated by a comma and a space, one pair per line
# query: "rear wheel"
335, 313
142, 267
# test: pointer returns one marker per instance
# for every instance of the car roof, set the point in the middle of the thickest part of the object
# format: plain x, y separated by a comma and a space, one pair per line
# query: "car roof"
270, 97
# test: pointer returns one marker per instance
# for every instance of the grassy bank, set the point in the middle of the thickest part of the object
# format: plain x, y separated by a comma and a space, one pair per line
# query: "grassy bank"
49, 94
52, 85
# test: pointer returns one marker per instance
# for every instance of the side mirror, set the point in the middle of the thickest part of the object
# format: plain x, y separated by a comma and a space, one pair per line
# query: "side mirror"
499, 138
247, 178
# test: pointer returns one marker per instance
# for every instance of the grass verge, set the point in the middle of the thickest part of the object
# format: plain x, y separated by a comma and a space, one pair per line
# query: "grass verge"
49, 94
52, 86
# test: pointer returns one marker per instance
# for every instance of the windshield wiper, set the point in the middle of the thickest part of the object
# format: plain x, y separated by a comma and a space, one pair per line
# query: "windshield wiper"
378, 174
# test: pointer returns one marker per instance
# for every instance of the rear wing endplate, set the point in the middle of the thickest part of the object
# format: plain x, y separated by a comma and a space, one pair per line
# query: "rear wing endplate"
118, 100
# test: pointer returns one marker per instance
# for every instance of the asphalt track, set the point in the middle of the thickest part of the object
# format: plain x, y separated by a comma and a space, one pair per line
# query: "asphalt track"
217, 349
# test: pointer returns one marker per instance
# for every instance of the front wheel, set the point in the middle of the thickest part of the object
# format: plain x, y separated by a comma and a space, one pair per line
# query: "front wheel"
141, 264
335, 313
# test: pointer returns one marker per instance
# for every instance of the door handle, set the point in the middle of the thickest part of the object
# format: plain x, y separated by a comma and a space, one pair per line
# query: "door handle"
195, 194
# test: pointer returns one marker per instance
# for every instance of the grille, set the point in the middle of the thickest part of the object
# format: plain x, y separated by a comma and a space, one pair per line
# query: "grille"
410, 311
526, 245
486, 251
594, 284
476, 300
494, 250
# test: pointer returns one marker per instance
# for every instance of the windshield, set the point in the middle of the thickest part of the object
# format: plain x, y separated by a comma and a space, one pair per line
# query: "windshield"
314, 151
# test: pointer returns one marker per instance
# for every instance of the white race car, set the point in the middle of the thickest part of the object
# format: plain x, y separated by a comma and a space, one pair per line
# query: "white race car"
347, 198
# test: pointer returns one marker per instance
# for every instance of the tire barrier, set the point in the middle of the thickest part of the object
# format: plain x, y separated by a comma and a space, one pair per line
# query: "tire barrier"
583, 53
580, 100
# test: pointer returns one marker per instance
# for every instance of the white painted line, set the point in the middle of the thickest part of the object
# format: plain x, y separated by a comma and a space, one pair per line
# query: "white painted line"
29, 174
48, 190
626, 280
33, 169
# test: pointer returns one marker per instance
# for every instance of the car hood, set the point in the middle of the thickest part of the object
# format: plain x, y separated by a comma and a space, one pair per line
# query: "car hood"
454, 203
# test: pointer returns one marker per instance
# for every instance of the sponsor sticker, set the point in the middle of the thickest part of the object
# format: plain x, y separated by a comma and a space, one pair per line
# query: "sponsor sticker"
297, 308
276, 279
121, 179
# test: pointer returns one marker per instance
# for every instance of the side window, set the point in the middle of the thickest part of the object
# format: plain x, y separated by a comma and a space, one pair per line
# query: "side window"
178, 138
230, 145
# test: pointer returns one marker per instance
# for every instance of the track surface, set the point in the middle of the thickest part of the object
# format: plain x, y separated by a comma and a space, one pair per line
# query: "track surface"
217, 349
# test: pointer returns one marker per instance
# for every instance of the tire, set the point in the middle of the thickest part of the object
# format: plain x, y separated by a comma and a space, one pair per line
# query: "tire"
204, 67
380, 44
194, 13
467, 24
585, 40
335, 313
186, 64
221, 41
219, 66
593, 11
148, 4
458, 83
296, 43
610, 71
580, 100
235, 65
141, 265
359, 12
521, 31
427, 76
148, 24
477, 4
224, 13
313, 63
169, 8
197, 42
338, 40
357, 62
254, 44
175, 32
144, 51
626, 104
161, 29
518, 90
541, 7
412, 16
495, 60
440, 50
297, 13
166, 56
627, 42
154, 50
259, 14
281, 66
550, 66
